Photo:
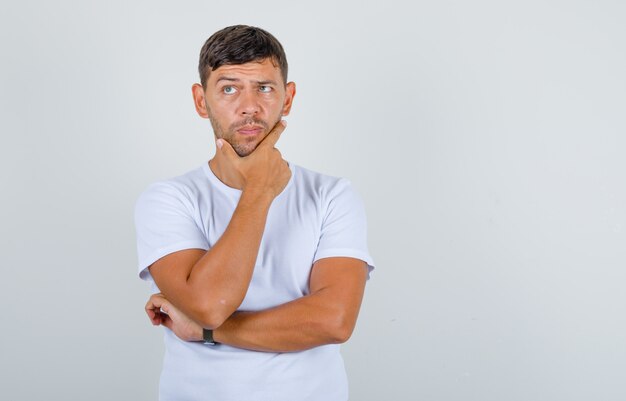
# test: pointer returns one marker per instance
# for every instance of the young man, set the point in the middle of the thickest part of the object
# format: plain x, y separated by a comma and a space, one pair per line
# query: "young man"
258, 265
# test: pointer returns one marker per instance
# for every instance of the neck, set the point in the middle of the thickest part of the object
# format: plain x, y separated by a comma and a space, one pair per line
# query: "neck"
225, 173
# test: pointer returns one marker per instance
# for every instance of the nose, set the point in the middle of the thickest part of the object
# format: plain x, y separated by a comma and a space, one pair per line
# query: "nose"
249, 104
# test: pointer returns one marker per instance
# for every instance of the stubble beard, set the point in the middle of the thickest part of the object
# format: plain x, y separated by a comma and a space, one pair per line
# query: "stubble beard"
246, 145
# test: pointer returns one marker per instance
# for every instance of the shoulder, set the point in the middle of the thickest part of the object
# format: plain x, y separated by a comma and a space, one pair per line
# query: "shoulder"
183, 190
320, 185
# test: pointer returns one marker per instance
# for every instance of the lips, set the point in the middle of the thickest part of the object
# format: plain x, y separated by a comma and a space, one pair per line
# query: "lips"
250, 129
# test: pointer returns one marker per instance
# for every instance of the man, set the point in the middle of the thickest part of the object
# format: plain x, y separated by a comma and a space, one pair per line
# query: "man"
258, 265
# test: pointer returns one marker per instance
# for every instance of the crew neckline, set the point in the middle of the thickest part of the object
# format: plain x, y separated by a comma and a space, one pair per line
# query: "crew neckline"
217, 182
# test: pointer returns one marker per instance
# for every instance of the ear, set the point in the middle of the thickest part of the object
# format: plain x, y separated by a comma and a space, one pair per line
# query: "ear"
290, 93
198, 100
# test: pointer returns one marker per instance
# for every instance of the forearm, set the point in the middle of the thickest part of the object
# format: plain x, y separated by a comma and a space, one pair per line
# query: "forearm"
301, 324
218, 281
208, 286
326, 316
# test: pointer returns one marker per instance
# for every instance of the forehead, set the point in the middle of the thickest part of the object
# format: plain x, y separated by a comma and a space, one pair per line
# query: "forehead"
264, 70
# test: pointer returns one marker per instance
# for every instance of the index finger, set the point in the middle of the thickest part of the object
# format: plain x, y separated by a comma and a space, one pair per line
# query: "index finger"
270, 140
154, 302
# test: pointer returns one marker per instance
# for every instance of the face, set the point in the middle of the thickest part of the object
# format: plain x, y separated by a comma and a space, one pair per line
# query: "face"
244, 102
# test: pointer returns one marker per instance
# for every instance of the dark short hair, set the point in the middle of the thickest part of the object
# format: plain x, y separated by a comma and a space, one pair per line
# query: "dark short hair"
240, 44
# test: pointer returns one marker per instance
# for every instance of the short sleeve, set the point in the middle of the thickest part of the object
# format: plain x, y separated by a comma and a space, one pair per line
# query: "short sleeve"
164, 223
344, 226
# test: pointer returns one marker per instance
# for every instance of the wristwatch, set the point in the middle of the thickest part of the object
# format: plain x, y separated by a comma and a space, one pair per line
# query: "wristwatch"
208, 337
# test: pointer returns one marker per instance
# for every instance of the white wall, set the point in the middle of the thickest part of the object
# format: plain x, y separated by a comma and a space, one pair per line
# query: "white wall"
486, 138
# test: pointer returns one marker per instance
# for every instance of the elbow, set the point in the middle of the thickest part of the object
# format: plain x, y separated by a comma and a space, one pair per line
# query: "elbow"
342, 334
211, 319
340, 328
212, 315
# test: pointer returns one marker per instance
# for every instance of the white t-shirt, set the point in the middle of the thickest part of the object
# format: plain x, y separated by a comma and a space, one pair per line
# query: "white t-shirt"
314, 217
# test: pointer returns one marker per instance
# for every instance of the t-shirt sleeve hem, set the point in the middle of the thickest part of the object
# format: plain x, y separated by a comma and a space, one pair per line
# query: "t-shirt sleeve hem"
347, 253
144, 273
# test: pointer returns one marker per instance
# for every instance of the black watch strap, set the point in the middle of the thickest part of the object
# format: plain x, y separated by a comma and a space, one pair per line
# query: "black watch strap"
207, 334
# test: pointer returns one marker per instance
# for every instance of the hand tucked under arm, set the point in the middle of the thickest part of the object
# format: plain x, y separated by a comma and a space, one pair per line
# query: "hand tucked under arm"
326, 316
162, 312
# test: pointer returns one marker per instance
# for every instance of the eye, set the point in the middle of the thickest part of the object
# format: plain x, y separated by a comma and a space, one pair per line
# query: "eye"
265, 89
229, 90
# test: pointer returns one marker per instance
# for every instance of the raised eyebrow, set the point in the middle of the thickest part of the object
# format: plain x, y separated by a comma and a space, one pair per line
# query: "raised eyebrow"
229, 79
261, 83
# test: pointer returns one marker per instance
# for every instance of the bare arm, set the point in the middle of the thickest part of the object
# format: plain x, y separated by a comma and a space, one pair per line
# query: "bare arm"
326, 316
208, 286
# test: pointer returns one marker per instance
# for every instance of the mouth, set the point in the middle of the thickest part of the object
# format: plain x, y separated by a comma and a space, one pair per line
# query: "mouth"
250, 130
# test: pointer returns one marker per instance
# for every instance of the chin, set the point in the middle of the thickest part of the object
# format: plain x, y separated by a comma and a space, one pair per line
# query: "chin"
244, 151
247, 147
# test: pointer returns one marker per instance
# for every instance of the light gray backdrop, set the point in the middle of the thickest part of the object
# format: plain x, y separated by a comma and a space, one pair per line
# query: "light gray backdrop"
486, 138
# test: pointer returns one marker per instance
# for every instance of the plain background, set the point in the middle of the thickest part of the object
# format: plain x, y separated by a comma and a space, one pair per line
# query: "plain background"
485, 137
